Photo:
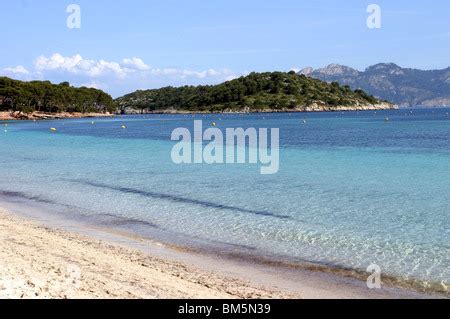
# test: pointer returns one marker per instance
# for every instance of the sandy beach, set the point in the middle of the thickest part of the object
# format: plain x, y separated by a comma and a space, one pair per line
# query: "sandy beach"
45, 262
38, 262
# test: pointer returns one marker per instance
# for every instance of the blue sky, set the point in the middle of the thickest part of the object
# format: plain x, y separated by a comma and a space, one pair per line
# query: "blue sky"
134, 44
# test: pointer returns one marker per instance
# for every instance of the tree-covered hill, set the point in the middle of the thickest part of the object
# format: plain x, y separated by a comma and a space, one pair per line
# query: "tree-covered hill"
43, 96
276, 91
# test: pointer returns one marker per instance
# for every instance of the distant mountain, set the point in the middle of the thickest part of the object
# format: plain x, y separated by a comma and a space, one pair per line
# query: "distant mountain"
388, 81
257, 92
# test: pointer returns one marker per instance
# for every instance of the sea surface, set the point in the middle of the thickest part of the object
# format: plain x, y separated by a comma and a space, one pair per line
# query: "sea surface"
353, 189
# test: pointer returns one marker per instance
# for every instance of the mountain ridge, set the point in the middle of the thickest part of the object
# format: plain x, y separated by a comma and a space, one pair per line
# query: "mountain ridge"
406, 87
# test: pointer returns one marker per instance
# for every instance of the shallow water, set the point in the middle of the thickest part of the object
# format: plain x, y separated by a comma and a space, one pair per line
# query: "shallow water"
352, 190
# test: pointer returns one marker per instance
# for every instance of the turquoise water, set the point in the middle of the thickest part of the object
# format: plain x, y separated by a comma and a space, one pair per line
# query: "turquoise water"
352, 190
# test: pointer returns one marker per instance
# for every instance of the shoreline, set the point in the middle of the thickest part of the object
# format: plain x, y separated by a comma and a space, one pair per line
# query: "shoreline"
39, 116
248, 280
310, 109
41, 262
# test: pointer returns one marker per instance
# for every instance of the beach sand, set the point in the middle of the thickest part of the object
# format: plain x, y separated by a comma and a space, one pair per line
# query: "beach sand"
38, 262
40, 259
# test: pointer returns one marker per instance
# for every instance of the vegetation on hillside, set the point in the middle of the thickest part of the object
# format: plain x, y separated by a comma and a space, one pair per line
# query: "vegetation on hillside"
255, 92
403, 86
27, 97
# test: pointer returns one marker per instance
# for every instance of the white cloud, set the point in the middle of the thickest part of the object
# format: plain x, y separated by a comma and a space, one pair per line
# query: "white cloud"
164, 72
201, 74
184, 73
116, 77
103, 67
20, 69
136, 63
95, 85
231, 77
77, 65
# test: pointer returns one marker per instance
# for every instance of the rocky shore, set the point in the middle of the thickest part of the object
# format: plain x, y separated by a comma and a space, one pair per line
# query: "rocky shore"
10, 116
316, 107
358, 107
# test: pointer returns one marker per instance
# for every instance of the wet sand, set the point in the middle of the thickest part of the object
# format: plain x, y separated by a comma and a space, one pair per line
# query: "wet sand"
39, 260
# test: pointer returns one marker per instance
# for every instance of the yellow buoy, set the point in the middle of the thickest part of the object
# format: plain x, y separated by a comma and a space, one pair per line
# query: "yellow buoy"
53, 129
124, 127
213, 124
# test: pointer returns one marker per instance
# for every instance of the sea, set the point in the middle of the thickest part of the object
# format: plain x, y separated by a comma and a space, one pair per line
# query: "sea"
353, 190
